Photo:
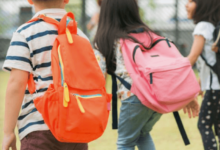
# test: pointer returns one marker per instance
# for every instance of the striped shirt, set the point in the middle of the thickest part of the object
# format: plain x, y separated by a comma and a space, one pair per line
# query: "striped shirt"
30, 50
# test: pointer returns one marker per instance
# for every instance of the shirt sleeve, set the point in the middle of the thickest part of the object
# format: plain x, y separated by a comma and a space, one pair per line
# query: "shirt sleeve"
101, 61
18, 55
204, 29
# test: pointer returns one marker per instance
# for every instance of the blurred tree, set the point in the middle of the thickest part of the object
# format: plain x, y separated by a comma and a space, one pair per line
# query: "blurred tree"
148, 4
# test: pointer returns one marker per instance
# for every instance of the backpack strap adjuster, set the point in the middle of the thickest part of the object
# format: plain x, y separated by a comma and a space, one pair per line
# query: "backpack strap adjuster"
41, 16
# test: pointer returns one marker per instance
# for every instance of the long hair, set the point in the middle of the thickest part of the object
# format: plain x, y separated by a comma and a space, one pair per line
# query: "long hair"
117, 19
207, 10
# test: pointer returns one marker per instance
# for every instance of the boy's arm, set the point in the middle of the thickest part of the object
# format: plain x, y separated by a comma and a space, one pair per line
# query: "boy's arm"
14, 97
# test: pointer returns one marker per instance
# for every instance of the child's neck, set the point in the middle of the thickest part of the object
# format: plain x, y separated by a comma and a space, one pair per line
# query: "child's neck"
37, 8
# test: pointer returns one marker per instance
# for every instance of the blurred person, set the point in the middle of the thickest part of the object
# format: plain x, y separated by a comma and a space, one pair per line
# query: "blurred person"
30, 52
93, 23
206, 15
119, 18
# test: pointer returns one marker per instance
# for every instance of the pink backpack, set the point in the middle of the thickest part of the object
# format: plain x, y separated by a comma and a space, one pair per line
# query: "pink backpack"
163, 79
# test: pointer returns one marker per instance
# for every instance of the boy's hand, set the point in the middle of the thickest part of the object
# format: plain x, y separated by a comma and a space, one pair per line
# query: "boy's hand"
9, 141
192, 108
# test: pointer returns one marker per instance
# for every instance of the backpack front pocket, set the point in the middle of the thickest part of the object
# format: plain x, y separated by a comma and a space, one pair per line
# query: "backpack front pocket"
86, 113
172, 86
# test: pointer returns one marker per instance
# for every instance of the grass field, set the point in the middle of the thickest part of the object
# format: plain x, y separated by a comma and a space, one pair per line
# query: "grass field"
165, 134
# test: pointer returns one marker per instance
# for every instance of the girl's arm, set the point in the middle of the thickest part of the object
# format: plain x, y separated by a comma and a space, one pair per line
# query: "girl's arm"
94, 20
197, 48
198, 44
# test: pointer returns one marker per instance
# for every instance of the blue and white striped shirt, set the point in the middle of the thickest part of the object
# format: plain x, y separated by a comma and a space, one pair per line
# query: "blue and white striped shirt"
30, 50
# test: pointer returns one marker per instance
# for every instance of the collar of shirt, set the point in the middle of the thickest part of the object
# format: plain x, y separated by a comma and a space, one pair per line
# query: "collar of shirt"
54, 13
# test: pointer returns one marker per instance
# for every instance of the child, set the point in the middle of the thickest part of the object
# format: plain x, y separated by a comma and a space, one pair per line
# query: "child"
206, 15
30, 52
118, 18
93, 23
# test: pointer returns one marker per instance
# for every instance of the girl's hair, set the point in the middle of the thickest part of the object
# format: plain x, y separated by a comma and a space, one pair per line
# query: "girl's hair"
99, 2
118, 18
207, 10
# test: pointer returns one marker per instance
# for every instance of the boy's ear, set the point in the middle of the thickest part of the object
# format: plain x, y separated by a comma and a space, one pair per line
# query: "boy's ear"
30, 2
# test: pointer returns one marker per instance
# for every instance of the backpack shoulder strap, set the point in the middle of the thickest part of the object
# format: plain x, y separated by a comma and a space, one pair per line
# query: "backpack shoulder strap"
181, 128
114, 103
206, 62
62, 25
46, 19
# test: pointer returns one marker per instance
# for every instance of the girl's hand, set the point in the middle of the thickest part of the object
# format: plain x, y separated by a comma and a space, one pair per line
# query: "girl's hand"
9, 141
214, 47
192, 108
201, 93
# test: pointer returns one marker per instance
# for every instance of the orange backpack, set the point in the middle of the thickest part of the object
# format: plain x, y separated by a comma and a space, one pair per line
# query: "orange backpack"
76, 106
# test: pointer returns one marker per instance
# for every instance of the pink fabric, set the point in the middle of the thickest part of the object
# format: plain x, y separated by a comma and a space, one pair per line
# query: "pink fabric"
174, 82
109, 106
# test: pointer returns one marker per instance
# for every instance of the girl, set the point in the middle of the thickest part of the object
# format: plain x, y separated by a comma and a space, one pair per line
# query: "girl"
118, 18
93, 23
206, 15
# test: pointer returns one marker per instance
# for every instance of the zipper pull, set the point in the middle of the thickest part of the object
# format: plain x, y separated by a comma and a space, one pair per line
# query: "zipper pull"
66, 97
151, 78
80, 105
65, 103
69, 36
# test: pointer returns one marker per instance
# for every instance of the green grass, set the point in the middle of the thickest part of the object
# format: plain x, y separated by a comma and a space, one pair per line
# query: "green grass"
165, 133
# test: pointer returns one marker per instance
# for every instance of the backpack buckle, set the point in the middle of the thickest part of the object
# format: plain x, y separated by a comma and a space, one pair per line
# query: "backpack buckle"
41, 16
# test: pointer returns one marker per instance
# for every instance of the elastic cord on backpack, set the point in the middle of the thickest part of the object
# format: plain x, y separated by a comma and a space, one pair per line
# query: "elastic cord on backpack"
69, 36
66, 98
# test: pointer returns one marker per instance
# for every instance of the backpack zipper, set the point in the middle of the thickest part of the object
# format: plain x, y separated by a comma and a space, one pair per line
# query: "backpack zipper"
84, 97
151, 78
69, 36
66, 98
155, 43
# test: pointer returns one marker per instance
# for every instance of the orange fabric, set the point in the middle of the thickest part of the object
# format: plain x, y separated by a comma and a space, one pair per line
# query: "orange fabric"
86, 87
31, 84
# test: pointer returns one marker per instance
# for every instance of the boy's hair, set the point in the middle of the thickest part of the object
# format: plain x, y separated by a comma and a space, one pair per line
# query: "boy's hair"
207, 10
48, 3
99, 2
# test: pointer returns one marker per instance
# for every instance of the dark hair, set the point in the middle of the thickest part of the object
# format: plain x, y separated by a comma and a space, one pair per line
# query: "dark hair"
48, 3
99, 2
207, 10
117, 19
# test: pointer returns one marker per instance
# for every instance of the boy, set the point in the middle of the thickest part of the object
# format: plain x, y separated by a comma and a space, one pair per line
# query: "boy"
30, 52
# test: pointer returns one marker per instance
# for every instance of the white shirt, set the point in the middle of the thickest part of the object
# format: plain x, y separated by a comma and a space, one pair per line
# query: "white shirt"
30, 50
206, 30
121, 71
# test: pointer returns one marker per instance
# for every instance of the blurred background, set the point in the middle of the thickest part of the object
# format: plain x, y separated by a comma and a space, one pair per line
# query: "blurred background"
166, 17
